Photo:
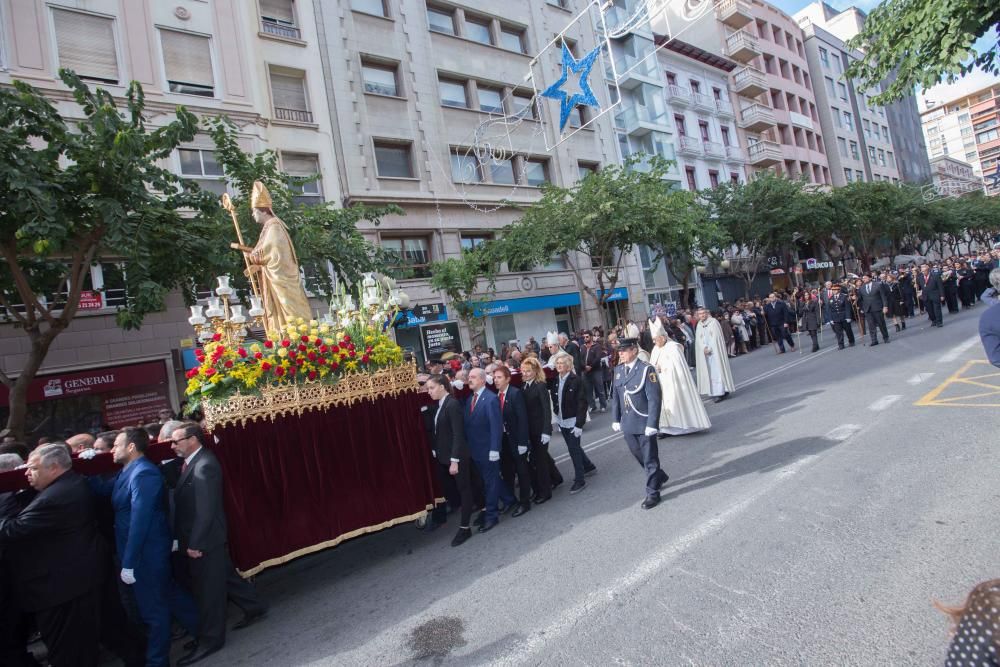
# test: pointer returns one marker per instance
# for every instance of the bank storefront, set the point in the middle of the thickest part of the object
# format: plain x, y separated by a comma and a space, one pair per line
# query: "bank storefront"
92, 400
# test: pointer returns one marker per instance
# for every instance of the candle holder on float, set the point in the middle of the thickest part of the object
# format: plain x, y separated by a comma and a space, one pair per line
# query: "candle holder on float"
227, 320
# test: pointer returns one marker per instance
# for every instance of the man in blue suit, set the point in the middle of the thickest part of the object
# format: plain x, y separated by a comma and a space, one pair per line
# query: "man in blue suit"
484, 434
143, 543
514, 455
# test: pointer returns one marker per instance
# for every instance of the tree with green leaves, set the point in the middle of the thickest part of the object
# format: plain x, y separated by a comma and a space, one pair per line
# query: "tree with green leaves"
683, 235
923, 42
877, 216
594, 224
322, 233
468, 281
756, 217
78, 192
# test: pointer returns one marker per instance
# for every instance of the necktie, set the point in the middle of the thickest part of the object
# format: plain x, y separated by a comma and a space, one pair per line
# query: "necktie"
502, 395
475, 397
184, 467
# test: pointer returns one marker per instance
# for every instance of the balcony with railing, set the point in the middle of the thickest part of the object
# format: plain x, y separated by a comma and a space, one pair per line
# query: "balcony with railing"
678, 95
645, 162
749, 82
689, 146
734, 13
735, 154
756, 117
638, 120
724, 108
714, 150
293, 115
280, 30
763, 153
703, 102
742, 47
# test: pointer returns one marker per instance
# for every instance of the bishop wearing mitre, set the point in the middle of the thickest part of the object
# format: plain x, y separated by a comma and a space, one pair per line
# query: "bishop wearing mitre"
276, 266
715, 378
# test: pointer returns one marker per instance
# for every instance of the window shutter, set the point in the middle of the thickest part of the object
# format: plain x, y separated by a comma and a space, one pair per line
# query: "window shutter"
86, 44
300, 165
187, 58
279, 10
289, 92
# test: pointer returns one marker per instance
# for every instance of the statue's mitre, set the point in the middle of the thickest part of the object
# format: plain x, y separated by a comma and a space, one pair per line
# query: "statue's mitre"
260, 197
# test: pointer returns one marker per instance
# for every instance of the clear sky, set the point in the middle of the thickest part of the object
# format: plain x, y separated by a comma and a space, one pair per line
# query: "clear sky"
940, 93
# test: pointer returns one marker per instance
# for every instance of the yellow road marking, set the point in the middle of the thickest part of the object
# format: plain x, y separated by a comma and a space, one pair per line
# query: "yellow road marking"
958, 378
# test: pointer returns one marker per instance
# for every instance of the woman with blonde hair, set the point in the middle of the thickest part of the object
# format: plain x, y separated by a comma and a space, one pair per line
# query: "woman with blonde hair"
545, 474
681, 409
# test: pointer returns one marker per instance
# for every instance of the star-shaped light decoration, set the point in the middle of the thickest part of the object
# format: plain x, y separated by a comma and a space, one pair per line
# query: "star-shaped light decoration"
585, 96
995, 177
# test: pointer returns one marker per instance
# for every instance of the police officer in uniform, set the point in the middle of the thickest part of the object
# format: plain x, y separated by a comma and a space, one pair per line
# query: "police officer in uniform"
838, 314
635, 407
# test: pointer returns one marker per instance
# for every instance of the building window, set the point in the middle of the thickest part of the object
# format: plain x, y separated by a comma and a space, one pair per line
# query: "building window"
187, 60
408, 257
842, 90
691, 179
277, 17
288, 89
473, 241
842, 145
304, 166
716, 94
512, 39
854, 151
824, 57
465, 167
453, 93
713, 178
881, 157
849, 175
379, 78
576, 117
988, 135
535, 172
734, 177
695, 86
375, 7
522, 105
725, 136
441, 20
671, 79
703, 129
848, 120
490, 100
837, 120
563, 4
584, 169
202, 167
681, 127
892, 159
477, 31
859, 176
392, 159
502, 171
86, 45
871, 154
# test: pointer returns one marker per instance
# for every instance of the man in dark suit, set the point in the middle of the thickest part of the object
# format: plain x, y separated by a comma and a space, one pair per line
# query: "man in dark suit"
55, 549
451, 450
593, 372
200, 529
572, 348
635, 408
484, 435
874, 304
570, 406
516, 442
143, 541
776, 313
838, 314
932, 293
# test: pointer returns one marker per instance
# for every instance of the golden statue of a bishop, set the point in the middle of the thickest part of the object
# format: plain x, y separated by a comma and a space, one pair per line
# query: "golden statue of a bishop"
275, 266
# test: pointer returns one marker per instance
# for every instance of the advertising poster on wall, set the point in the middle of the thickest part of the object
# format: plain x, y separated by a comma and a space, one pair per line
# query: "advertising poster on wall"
440, 337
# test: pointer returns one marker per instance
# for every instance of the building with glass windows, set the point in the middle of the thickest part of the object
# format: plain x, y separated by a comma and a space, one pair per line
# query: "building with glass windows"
967, 129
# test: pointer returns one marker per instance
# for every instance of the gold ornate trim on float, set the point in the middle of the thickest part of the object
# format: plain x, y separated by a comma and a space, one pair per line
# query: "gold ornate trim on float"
296, 399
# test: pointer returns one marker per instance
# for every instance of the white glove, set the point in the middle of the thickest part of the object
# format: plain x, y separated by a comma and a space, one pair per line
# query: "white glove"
175, 546
494, 456
577, 431
489, 379
522, 450
128, 576
458, 384
616, 427
650, 431
545, 439
434, 453
87, 454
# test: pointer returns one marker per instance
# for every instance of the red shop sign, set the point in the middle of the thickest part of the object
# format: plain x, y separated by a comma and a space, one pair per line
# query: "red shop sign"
90, 300
94, 381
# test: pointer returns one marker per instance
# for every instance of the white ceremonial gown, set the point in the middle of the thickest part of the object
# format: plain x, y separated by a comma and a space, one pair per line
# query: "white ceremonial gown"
715, 378
681, 409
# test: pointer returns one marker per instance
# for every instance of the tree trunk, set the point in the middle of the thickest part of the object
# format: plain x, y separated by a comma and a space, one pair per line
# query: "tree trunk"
19, 392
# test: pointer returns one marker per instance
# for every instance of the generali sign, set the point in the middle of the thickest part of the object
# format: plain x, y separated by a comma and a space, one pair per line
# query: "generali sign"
96, 381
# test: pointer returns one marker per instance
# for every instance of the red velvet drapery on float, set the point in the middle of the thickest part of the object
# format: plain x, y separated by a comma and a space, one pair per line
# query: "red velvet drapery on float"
299, 484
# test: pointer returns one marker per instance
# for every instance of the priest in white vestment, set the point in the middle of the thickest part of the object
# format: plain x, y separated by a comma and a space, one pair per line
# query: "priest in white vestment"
681, 409
715, 378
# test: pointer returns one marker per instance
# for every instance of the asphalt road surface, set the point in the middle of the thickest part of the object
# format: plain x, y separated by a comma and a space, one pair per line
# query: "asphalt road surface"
836, 495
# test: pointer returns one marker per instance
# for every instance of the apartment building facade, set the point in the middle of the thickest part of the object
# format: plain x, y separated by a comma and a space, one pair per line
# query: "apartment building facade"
417, 89
256, 65
889, 144
967, 128
953, 177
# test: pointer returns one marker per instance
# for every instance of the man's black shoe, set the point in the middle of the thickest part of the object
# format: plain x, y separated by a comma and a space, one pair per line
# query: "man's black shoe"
461, 536
720, 399
488, 526
873, 343
650, 503
191, 645
538, 500
556, 485
250, 619
852, 344
666, 478
521, 509
577, 487
592, 470
508, 508
840, 347
198, 654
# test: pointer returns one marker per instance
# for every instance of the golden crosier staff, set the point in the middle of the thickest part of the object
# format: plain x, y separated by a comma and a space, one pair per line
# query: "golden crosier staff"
227, 204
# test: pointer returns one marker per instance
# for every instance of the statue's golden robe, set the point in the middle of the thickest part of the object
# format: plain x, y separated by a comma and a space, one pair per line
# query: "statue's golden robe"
280, 283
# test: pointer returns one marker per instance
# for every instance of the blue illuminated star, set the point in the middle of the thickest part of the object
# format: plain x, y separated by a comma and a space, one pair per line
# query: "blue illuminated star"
995, 177
585, 97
